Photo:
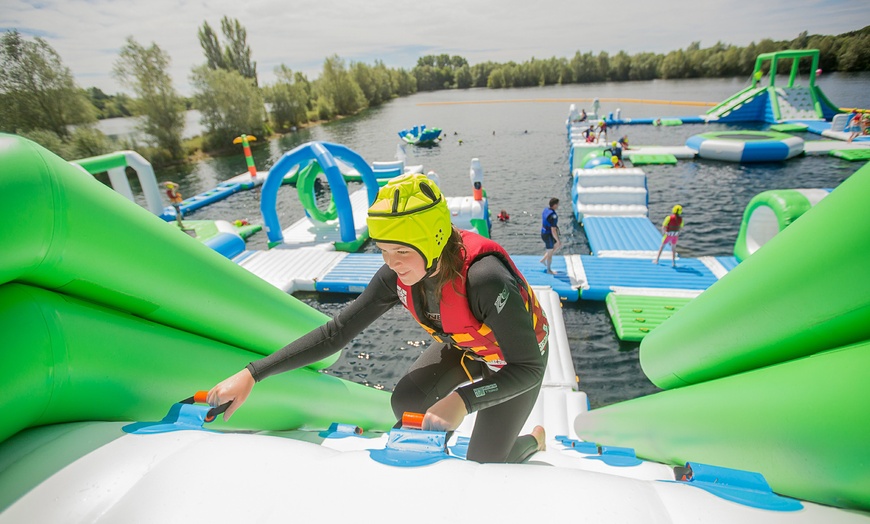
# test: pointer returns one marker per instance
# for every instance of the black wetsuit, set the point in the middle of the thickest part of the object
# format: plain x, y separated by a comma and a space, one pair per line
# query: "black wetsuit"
503, 399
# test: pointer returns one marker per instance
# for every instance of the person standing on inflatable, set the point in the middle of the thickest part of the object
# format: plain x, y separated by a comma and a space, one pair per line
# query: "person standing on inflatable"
491, 334
175, 199
550, 233
671, 227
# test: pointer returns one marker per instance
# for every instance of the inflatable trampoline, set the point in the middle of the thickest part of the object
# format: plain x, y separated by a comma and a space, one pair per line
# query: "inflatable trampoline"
746, 146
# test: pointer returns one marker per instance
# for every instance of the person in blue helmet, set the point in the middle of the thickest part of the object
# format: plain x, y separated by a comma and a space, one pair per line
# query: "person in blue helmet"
491, 336
550, 233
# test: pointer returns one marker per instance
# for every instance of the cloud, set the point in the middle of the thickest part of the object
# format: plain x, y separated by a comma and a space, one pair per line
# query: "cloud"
88, 34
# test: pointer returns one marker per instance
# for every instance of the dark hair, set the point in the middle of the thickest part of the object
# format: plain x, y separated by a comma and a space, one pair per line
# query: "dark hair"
554, 201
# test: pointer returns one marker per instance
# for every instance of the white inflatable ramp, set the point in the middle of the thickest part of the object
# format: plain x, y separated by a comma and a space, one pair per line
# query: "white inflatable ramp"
824, 147
291, 270
677, 151
306, 232
609, 192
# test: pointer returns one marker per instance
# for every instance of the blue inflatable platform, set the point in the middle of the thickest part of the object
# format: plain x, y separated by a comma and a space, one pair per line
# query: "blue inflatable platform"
608, 236
603, 274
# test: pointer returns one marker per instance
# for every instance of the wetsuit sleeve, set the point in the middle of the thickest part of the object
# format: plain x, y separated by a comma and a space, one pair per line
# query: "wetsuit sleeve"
495, 300
378, 297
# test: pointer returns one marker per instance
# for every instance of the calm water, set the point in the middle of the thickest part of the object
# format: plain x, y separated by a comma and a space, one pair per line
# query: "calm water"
519, 136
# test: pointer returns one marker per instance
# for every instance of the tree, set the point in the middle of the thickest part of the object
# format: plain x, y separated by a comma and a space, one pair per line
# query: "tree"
337, 86
288, 99
145, 72
236, 54
230, 105
211, 47
36, 90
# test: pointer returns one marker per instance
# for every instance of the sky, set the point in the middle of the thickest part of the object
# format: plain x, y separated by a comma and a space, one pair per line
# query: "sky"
88, 34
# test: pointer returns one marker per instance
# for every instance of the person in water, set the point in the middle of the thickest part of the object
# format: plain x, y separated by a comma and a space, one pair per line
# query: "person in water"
671, 227
491, 334
550, 233
503, 216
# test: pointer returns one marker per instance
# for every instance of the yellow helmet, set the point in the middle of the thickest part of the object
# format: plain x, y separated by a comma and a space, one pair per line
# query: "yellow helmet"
411, 211
677, 210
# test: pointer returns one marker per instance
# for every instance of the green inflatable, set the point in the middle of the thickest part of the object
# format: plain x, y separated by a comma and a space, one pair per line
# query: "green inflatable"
65, 359
805, 291
767, 369
109, 313
803, 425
78, 237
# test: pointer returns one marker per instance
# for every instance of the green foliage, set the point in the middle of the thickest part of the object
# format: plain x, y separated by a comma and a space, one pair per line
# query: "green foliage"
230, 105
214, 57
109, 106
236, 54
403, 82
845, 52
288, 98
37, 90
338, 89
375, 82
437, 72
84, 141
145, 71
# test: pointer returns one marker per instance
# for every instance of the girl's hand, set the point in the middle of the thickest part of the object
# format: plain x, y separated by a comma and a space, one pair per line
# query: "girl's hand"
235, 388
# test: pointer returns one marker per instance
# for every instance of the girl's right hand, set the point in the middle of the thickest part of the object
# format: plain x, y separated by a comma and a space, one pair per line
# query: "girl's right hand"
235, 388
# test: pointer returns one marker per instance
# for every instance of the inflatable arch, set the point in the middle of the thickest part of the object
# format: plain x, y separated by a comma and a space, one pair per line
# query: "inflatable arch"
114, 164
325, 154
770, 212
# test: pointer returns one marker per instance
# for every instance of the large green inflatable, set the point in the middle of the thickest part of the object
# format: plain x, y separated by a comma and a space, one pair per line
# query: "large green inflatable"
805, 291
767, 370
109, 313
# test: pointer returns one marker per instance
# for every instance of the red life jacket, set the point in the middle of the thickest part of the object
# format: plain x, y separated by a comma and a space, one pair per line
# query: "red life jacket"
460, 328
174, 196
675, 223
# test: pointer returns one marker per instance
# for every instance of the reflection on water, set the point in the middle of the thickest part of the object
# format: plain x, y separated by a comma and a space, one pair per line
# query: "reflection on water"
522, 148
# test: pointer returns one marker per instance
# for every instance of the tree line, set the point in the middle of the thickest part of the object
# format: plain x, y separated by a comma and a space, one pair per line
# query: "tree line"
846, 52
40, 99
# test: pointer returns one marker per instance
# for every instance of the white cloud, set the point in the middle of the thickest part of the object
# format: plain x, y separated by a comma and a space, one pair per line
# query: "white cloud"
88, 34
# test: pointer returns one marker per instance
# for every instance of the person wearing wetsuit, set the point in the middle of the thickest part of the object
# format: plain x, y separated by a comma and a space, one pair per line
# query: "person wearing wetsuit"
491, 335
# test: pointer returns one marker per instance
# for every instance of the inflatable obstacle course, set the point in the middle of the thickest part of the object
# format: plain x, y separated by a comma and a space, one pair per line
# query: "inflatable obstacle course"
737, 391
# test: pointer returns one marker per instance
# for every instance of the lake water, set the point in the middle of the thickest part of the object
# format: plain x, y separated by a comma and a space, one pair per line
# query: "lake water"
520, 138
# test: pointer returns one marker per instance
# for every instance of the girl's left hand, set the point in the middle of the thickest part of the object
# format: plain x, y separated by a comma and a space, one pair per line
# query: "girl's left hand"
446, 414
